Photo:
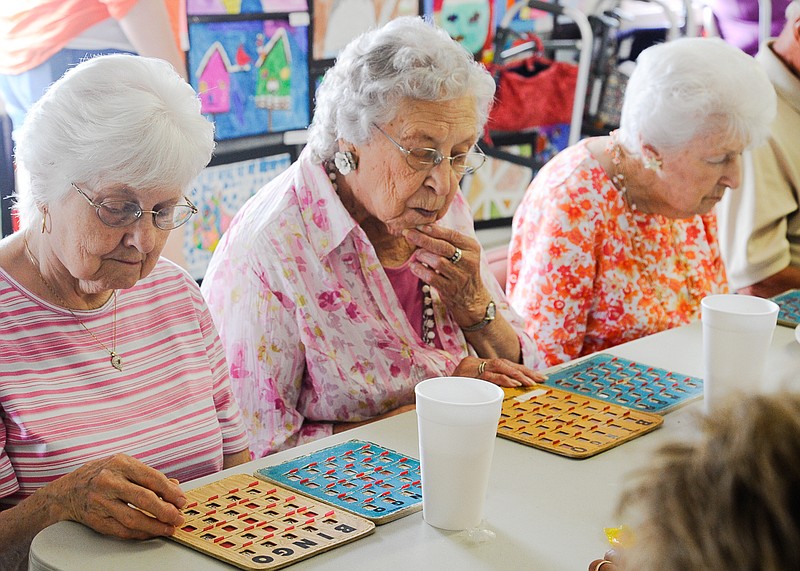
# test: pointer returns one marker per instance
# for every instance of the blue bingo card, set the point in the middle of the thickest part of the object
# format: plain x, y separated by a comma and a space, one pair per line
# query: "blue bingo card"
789, 302
360, 477
627, 383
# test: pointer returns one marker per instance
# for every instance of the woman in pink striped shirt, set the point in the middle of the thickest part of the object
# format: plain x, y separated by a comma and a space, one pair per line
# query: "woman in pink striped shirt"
113, 382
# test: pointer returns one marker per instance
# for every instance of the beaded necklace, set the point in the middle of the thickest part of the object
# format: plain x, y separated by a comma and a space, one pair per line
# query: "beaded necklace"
428, 322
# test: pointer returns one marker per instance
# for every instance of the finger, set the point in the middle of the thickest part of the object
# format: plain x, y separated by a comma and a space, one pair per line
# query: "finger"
441, 265
151, 479
122, 520
437, 252
612, 555
602, 565
133, 482
449, 235
516, 374
147, 501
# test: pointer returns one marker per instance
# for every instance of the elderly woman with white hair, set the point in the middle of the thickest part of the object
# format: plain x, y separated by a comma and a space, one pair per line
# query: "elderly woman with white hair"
615, 238
113, 382
356, 274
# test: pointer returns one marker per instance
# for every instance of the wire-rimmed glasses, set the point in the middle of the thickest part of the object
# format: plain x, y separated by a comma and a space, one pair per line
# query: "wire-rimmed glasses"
422, 158
118, 213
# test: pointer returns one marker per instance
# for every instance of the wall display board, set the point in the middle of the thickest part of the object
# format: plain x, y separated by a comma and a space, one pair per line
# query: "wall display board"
219, 192
495, 190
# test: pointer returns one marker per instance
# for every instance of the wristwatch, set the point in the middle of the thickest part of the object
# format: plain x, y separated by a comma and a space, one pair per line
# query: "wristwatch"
488, 317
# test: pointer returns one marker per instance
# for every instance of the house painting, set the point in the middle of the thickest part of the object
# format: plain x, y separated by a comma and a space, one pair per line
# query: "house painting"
214, 80
274, 68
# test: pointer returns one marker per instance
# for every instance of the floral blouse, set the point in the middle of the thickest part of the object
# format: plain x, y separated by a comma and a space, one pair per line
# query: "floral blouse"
587, 273
312, 328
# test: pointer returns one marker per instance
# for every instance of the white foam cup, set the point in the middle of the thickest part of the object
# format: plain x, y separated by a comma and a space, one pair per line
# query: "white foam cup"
737, 332
457, 419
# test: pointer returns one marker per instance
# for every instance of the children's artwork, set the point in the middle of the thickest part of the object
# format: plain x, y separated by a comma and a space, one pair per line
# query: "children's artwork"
336, 22
469, 22
528, 20
627, 383
361, 477
216, 7
219, 193
495, 190
254, 525
567, 424
251, 75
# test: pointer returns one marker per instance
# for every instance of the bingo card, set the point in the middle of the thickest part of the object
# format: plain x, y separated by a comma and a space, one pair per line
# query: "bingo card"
256, 525
626, 383
361, 477
568, 424
789, 303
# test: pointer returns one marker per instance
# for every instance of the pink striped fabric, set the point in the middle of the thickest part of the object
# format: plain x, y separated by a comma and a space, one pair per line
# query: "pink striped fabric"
62, 404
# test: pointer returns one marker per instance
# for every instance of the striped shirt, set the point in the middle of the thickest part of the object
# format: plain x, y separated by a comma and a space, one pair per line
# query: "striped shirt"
62, 404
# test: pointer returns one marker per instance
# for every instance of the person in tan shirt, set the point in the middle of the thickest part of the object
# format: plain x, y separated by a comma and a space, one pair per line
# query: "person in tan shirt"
759, 223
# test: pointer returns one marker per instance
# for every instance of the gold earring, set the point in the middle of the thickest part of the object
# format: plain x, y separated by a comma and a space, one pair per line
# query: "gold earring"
45, 214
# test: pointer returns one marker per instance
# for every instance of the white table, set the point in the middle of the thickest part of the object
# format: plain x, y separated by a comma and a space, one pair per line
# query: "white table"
548, 512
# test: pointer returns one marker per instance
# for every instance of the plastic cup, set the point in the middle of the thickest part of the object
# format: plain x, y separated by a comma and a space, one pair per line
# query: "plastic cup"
457, 419
737, 332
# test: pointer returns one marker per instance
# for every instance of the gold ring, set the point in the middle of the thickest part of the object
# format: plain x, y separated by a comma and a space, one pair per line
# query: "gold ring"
481, 368
603, 562
456, 257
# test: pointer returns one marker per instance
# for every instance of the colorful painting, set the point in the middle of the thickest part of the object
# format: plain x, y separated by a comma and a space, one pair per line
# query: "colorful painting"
469, 22
216, 7
219, 192
336, 22
251, 75
495, 190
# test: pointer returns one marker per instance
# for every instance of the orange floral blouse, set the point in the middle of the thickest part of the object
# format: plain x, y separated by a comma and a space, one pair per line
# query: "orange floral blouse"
587, 273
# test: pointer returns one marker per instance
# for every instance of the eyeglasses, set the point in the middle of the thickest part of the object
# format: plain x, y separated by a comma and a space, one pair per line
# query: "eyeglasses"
118, 213
421, 158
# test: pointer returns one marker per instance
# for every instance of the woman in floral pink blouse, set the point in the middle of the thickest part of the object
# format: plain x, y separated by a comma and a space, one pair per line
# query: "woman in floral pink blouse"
616, 238
356, 273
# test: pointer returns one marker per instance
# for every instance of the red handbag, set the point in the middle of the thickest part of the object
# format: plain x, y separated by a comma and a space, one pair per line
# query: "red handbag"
534, 92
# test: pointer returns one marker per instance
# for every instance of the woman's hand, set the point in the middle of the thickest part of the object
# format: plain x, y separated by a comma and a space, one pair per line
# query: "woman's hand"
457, 278
105, 494
609, 562
501, 372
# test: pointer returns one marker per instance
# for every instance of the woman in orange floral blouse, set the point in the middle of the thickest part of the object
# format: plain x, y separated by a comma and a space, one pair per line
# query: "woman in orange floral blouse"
615, 238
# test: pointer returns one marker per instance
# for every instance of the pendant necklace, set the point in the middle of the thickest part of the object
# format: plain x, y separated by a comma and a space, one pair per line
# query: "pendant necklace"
116, 360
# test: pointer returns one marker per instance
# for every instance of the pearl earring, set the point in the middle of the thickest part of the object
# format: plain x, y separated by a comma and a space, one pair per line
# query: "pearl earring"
345, 162
652, 163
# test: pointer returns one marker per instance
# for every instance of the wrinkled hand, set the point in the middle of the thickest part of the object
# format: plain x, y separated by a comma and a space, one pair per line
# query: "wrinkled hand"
501, 372
459, 284
98, 495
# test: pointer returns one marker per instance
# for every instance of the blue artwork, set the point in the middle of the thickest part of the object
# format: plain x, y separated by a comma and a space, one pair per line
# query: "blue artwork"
205, 7
251, 75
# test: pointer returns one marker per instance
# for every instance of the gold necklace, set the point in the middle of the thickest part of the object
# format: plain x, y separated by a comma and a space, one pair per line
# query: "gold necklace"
116, 360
